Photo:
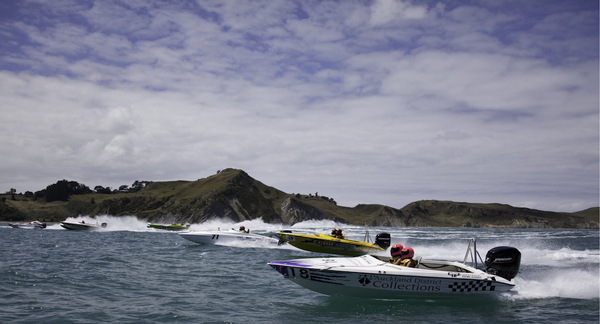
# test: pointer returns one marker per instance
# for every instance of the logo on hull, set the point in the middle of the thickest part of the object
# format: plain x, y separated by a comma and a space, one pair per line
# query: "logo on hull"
364, 280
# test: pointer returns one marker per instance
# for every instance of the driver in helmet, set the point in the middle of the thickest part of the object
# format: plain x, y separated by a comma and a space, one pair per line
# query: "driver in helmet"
406, 259
337, 233
243, 229
396, 252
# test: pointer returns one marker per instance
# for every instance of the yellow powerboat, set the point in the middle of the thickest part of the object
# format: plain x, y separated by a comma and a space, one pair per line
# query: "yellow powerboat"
171, 227
336, 243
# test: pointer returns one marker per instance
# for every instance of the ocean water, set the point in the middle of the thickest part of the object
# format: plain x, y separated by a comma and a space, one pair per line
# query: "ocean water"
130, 274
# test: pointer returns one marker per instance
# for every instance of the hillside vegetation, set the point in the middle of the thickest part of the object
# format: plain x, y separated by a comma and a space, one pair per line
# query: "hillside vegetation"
233, 194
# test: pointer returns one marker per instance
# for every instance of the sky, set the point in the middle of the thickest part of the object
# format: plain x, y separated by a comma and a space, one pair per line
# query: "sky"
366, 102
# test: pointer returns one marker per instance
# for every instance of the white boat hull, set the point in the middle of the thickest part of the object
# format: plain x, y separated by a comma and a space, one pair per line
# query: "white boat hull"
228, 237
81, 226
369, 277
30, 225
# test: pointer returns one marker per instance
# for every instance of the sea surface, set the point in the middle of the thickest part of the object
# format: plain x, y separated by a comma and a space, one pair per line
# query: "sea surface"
128, 273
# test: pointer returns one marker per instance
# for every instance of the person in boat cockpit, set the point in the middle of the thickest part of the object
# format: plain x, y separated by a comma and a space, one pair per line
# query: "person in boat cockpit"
243, 229
402, 256
337, 233
406, 259
396, 252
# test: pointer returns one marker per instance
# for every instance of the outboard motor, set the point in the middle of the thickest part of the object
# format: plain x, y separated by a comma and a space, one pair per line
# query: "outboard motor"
43, 225
104, 225
383, 240
503, 261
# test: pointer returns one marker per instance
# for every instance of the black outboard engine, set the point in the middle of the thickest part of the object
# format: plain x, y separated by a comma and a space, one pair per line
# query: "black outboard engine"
503, 261
383, 240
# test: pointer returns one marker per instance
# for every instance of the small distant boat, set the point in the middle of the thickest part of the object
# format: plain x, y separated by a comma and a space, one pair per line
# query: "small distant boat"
82, 226
336, 243
368, 276
228, 237
35, 224
170, 227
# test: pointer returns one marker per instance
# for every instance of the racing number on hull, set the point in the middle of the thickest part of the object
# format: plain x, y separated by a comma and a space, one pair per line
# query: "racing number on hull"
303, 273
214, 237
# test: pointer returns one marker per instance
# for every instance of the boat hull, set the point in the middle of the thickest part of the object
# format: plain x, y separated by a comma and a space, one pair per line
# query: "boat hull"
369, 277
228, 237
30, 225
328, 244
81, 226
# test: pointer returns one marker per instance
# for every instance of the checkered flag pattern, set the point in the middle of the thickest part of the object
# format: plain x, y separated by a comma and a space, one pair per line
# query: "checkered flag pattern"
468, 286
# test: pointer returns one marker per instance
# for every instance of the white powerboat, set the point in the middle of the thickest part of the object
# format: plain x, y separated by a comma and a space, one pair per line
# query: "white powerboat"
34, 224
82, 226
370, 277
228, 237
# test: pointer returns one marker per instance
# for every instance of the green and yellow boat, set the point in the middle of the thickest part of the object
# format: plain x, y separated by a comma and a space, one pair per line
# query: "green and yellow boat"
170, 227
336, 243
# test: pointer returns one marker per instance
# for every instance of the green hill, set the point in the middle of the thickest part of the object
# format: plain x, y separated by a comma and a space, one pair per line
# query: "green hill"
234, 195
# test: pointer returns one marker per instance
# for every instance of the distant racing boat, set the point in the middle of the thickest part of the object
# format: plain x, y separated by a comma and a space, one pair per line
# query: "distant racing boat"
336, 243
170, 227
35, 224
228, 237
81, 226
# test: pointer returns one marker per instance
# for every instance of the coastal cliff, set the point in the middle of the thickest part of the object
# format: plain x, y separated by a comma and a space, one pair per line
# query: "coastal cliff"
233, 194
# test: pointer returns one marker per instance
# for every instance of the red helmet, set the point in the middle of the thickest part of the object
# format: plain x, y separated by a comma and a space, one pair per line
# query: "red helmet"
396, 249
242, 228
408, 253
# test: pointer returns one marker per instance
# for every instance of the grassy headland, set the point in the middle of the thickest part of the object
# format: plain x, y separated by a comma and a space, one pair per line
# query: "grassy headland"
233, 194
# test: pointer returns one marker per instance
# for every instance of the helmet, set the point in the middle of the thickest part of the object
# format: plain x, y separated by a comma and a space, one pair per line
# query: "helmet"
408, 253
396, 249
242, 228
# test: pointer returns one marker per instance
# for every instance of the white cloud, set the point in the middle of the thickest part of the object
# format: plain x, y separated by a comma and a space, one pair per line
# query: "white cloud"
392, 103
384, 11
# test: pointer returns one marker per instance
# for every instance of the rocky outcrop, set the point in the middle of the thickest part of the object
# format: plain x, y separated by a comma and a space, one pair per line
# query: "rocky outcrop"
460, 214
517, 223
293, 212
218, 209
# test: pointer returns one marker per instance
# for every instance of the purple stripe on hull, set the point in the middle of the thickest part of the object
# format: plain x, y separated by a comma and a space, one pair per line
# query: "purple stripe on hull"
282, 266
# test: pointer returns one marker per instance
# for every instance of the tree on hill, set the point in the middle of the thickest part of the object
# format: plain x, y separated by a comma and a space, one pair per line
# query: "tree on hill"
138, 185
102, 190
63, 189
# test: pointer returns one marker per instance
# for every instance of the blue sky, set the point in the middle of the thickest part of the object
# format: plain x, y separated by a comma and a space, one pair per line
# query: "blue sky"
382, 102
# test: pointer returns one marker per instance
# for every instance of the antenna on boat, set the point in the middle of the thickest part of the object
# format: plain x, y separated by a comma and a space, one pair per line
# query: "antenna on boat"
475, 252
472, 253
469, 252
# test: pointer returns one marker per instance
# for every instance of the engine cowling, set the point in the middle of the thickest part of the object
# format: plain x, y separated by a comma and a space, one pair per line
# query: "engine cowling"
503, 261
383, 240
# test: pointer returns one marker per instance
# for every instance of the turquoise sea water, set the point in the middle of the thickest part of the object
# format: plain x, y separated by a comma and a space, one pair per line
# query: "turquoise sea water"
131, 274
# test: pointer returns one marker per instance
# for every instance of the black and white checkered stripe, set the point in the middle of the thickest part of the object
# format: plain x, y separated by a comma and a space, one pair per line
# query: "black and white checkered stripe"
468, 286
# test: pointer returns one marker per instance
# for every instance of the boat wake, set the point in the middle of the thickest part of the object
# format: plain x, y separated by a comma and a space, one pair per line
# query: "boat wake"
562, 283
549, 268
